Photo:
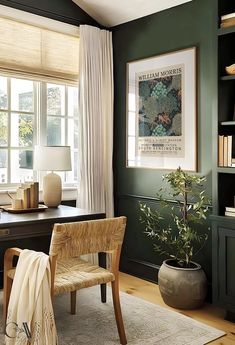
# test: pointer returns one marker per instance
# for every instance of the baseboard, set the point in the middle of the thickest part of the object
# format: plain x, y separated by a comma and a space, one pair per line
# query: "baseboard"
141, 269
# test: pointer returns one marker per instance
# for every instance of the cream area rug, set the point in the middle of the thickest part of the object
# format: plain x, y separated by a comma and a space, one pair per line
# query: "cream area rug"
145, 323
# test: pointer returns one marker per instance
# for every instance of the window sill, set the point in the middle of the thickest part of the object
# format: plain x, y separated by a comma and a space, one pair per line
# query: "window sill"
68, 193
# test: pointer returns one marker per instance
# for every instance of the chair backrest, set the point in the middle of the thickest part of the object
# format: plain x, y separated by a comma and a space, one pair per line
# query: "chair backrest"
85, 237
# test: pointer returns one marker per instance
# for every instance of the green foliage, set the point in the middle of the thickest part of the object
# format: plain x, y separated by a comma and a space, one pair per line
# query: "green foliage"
176, 237
3, 129
26, 130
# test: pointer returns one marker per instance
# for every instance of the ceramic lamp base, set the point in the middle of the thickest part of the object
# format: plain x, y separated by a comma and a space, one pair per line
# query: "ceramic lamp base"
52, 190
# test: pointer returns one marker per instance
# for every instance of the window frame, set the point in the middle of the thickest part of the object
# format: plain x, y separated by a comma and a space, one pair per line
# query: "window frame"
40, 124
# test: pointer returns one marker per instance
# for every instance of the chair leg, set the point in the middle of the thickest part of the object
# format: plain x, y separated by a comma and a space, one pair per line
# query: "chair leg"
6, 296
102, 259
118, 312
73, 302
103, 292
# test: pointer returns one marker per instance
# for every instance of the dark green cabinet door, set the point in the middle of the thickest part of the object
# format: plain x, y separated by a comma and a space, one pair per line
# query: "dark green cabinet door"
224, 262
227, 266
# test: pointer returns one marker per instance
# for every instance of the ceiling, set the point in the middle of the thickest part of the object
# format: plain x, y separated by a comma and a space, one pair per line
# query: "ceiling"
114, 12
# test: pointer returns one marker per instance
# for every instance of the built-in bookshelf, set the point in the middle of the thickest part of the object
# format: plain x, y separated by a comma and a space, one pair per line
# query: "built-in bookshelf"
223, 218
226, 106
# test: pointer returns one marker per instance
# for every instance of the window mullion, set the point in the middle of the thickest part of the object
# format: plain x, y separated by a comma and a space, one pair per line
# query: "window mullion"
9, 131
66, 125
66, 115
42, 122
43, 114
36, 121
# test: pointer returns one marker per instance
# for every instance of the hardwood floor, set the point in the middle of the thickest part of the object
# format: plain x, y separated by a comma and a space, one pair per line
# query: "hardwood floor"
209, 314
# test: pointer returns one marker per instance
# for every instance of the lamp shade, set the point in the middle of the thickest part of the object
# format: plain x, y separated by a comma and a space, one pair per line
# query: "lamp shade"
53, 158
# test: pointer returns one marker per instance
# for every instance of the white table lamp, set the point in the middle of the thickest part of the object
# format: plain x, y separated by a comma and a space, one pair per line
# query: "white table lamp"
52, 158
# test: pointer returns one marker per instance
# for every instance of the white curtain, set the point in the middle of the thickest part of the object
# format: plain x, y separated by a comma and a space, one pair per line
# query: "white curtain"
96, 120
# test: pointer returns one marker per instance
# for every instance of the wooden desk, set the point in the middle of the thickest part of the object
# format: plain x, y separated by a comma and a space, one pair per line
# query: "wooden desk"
33, 230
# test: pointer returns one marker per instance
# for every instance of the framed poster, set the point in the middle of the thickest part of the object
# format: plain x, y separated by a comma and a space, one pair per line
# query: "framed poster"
161, 111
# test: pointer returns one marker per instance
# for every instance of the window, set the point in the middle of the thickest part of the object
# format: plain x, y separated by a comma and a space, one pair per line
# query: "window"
38, 104
35, 112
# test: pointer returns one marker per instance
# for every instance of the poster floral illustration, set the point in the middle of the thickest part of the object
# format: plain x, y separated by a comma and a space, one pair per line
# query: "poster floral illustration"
160, 112
164, 121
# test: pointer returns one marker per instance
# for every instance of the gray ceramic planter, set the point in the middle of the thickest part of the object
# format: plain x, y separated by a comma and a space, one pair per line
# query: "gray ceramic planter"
183, 288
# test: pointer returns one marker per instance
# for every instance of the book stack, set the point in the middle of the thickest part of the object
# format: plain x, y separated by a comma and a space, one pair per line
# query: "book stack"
227, 20
28, 193
226, 151
230, 211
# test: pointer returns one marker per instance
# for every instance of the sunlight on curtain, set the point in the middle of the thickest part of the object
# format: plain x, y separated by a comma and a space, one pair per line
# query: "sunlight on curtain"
96, 120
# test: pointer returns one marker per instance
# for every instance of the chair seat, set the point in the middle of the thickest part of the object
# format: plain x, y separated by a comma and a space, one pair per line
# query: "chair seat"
75, 274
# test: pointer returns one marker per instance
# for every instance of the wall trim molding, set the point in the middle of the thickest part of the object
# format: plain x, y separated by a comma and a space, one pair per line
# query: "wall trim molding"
134, 196
151, 199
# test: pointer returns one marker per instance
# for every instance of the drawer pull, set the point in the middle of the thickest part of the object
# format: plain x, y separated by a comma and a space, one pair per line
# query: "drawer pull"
4, 232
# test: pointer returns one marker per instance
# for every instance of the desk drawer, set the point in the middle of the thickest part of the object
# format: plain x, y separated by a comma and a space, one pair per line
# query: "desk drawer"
23, 231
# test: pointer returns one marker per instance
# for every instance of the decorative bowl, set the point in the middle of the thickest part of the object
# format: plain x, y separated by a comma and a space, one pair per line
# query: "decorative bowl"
230, 69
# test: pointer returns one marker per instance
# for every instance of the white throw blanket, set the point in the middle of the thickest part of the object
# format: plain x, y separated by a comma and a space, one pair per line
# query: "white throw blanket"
30, 302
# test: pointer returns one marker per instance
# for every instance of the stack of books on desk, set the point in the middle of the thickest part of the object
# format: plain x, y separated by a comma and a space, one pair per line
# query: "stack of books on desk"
230, 211
227, 20
28, 193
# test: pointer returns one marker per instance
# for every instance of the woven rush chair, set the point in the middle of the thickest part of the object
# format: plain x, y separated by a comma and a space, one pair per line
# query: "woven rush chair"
69, 272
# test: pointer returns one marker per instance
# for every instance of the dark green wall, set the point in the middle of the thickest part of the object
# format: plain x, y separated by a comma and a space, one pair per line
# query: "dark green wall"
191, 24
63, 10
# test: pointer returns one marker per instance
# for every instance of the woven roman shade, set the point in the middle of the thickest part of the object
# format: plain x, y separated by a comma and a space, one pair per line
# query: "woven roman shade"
38, 51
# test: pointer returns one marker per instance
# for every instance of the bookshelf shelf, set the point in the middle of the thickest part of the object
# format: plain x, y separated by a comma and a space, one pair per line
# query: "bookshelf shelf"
227, 123
228, 77
226, 31
226, 170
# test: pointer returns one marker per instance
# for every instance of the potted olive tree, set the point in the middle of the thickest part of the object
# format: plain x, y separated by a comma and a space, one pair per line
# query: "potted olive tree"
182, 282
